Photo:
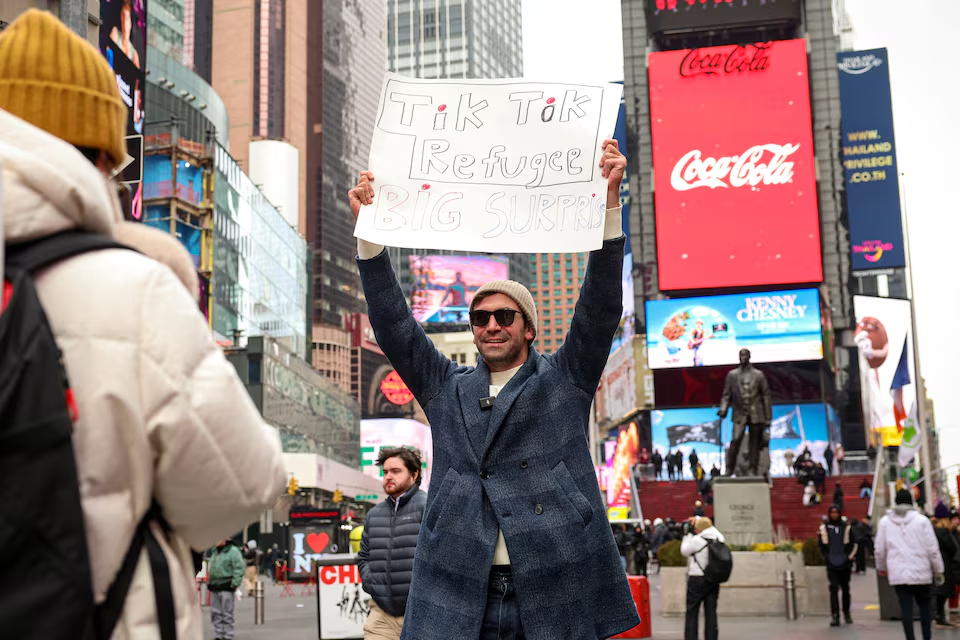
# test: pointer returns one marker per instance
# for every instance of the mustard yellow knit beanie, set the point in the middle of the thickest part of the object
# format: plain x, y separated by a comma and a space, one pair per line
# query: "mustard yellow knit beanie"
59, 82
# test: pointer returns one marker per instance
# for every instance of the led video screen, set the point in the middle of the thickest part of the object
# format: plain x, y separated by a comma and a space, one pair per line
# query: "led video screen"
441, 287
776, 326
734, 175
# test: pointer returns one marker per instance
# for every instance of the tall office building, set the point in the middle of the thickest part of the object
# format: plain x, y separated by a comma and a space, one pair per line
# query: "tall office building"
165, 28
454, 39
318, 97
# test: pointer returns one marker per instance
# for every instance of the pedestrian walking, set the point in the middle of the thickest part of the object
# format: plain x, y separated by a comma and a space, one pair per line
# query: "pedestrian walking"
840, 456
788, 458
224, 576
657, 464
838, 548
164, 450
908, 554
658, 536
863, 537
810, 496
838, 496
389, 543
275, 556
624, 542
828, 458
700, 591
949, 550
671, 465
694, 460
251, 558
516, 501
714, 471
678, 461
641, 551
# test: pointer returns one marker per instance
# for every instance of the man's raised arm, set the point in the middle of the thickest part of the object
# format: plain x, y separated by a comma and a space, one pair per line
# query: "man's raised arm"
584, 352
399, 335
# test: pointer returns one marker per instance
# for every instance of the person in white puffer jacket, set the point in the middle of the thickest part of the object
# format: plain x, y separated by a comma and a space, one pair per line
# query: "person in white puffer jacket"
161, 415
908, 554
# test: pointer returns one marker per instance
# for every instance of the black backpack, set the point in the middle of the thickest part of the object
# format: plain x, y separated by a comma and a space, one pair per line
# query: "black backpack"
45, 579
719, 562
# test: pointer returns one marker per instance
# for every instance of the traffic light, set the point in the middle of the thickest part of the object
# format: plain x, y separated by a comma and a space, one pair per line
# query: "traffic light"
338, 496
293, 487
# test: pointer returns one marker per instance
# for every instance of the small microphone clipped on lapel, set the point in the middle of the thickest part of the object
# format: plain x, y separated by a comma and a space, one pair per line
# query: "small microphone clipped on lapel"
487, 403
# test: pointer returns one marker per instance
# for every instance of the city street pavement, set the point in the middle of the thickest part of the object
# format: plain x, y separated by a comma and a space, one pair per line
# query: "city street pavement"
296, 619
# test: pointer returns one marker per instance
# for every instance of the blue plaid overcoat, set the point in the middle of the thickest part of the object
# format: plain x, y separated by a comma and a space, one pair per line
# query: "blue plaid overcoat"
523, 466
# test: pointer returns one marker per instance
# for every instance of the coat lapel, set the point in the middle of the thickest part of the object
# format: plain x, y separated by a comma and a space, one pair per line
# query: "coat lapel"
470, 388
506, 398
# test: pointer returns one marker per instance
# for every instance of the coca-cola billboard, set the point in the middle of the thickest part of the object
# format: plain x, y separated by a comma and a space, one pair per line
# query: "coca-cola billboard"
734, 176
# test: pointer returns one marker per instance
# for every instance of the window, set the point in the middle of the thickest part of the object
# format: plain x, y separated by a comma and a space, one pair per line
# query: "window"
557, 292
546, 322
569, 302
545, 312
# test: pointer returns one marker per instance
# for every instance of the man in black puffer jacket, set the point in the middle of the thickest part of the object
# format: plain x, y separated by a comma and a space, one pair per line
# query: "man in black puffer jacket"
389, 543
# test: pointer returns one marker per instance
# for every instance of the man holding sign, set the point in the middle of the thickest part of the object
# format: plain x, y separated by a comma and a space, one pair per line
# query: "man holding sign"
515, 541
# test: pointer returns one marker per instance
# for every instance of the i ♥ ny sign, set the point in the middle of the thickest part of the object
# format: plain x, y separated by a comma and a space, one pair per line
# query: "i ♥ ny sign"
309, 546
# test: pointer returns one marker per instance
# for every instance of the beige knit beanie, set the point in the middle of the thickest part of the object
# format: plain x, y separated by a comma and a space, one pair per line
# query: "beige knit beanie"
519, 293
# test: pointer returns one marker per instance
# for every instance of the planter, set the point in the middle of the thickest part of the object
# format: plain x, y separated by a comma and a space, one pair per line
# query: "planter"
814, 600
673, 591
755, 587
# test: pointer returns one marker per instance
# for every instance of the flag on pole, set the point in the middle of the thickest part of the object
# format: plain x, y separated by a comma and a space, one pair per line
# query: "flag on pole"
900, 379
782, 427
703, 432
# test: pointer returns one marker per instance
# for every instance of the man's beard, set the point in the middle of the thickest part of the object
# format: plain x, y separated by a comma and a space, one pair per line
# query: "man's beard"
508, 356
395, 489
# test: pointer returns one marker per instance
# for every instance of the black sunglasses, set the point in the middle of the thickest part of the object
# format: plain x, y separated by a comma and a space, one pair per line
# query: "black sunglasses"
504, 317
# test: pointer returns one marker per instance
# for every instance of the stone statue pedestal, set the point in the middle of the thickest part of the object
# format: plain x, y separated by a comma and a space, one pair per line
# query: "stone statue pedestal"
741, 509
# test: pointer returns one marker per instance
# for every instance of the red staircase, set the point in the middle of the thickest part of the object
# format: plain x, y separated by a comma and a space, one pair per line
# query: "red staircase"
676, 500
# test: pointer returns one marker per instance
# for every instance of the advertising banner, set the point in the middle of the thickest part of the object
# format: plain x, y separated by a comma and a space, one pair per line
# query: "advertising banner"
776, 326
795, 427
626, 329
123, 42
442, 287
665, 16
621, 457
342, 604
734, 176
309, 542
387, 433
888, 389
507, 166
870, 160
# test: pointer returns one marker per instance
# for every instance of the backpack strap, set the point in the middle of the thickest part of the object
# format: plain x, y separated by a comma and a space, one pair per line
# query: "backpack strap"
107, 614
37, 254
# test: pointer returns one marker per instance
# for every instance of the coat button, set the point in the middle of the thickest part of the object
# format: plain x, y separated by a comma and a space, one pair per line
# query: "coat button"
538, 509
523, 464
484, 474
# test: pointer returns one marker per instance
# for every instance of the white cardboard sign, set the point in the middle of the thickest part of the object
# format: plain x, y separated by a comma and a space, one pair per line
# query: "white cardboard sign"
489, 165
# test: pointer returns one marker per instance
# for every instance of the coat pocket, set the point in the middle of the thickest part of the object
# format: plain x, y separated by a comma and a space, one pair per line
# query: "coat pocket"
568, 487
439, 502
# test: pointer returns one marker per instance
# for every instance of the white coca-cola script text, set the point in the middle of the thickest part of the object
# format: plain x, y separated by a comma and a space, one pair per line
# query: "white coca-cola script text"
692, 171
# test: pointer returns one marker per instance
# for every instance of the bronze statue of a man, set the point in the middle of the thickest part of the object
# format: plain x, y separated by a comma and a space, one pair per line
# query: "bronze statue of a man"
747, 391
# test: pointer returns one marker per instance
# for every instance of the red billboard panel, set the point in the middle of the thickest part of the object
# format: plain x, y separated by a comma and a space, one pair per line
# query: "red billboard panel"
734, 176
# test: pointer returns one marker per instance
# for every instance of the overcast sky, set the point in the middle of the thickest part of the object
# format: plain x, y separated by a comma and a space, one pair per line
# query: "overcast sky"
582, 40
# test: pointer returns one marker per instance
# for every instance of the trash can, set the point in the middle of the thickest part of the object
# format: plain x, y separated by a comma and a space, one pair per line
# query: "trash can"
640, 589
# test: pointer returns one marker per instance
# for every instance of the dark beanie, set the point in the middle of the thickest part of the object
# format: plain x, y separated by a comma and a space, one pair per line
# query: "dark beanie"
835, 507
904, 497
941, 511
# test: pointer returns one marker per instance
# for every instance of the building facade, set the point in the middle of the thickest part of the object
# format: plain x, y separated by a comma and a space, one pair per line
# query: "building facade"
833, 380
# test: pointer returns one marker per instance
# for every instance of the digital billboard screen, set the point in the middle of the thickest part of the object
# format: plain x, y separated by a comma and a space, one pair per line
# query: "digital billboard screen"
794, 427
776, 326
888, 390
123, 42
734, 175
665, 16
442, 287
870, 160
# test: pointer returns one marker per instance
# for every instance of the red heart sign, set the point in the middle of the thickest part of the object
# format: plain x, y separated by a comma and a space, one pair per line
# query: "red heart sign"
318, 541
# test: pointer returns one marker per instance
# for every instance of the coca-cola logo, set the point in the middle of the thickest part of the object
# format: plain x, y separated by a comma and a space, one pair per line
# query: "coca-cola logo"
761, 164
740, 59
